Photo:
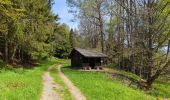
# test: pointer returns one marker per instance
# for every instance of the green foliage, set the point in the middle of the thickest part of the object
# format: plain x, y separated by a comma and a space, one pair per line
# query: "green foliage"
27, 27
72, 40
62, 44
63, 49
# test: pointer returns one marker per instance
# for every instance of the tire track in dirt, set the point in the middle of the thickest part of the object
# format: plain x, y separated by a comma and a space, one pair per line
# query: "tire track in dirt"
76, 93
50, 87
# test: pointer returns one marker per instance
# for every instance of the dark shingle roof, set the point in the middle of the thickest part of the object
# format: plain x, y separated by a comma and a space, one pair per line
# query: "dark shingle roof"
90, 53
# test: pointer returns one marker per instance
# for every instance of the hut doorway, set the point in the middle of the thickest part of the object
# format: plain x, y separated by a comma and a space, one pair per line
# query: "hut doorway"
92, 63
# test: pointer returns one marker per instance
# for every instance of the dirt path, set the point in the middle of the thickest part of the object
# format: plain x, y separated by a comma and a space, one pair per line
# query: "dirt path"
50, 87
76, 93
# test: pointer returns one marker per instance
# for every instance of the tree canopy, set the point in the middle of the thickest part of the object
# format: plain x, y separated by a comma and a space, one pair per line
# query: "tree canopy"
26, 30
134, 33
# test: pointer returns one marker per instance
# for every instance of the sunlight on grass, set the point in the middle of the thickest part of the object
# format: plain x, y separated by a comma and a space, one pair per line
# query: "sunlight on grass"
98, 86
161, 89
23, 84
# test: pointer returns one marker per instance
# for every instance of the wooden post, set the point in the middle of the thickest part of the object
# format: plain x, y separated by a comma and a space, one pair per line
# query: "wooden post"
101, 62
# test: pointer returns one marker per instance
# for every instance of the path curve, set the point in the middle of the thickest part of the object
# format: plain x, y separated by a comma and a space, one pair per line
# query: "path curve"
76, 93
50, 87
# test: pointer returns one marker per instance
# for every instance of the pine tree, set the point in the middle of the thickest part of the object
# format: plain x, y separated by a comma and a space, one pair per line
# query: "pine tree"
26, 27
72, 42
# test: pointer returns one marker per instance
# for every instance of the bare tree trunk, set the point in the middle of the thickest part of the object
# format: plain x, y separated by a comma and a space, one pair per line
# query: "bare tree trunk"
150, 46
6, 50
13, 54
101, 29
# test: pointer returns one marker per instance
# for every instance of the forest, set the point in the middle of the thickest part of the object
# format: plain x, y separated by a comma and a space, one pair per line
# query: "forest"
29, 32
135, 34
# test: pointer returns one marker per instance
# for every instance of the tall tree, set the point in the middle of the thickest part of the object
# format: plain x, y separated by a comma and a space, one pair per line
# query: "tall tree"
136, 35
62, 42
94, 11
72, 38
147, 24
26, 28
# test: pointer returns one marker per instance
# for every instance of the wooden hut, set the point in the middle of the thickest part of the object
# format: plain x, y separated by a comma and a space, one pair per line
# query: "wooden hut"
82, 58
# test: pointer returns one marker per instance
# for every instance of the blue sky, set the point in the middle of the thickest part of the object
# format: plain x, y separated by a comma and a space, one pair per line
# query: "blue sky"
60, 8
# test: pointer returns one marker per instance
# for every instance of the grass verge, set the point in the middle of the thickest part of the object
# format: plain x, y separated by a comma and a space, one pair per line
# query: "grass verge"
160, 89
23, 84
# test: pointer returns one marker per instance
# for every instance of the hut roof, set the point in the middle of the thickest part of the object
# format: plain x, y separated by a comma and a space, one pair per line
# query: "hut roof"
90, 53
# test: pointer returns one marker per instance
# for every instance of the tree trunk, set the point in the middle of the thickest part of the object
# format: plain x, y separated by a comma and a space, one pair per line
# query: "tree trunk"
101, 31
150, 47
6, 51
13, 54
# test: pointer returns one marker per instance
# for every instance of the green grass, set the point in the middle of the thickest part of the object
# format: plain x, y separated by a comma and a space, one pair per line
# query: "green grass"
161, 88
63, 61
98, 86
23, 84
26, 84
64, 92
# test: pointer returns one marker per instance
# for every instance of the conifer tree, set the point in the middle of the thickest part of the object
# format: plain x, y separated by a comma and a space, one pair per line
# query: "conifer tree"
72, 42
